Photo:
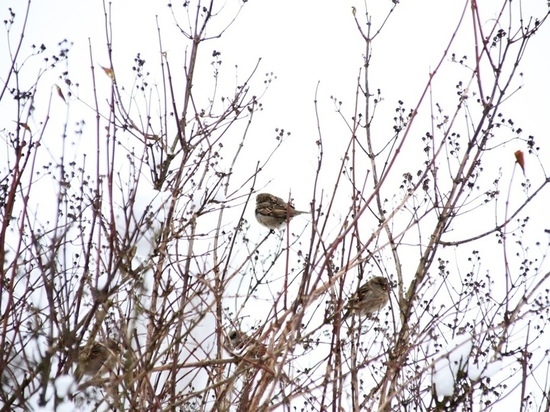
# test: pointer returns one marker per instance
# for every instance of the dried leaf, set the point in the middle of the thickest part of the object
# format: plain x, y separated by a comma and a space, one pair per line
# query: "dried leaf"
60, 93
109, 72
519, 158
25, 126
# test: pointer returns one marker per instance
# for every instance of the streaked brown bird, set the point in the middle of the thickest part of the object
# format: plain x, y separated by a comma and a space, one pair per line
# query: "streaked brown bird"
238, 341
273, 212
99, 357
369, 298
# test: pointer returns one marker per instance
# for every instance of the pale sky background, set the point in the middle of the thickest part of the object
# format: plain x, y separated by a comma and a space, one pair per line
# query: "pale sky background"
302, 43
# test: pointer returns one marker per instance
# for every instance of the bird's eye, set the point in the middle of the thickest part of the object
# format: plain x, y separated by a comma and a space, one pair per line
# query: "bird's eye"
233, 334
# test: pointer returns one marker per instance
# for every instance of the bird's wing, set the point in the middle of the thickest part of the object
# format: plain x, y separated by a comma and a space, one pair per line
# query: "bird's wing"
273, 209
264, 208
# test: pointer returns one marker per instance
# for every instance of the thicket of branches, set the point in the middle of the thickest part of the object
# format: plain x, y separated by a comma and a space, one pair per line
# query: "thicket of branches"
134, 230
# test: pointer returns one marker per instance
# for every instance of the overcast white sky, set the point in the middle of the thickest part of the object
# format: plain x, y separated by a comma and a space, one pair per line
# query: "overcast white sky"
302, 43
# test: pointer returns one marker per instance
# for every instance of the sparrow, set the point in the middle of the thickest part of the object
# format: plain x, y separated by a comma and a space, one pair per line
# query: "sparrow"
273, 212
91, 362
369, 298
237, 341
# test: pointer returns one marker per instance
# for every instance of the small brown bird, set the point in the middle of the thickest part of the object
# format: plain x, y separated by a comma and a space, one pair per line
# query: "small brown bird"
273, 212
91, 362
369, 298
237, 341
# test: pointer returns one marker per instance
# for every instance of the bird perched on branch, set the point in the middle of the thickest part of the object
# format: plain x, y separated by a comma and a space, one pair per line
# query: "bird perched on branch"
369, 298
99, 357
273, 212
238, 341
